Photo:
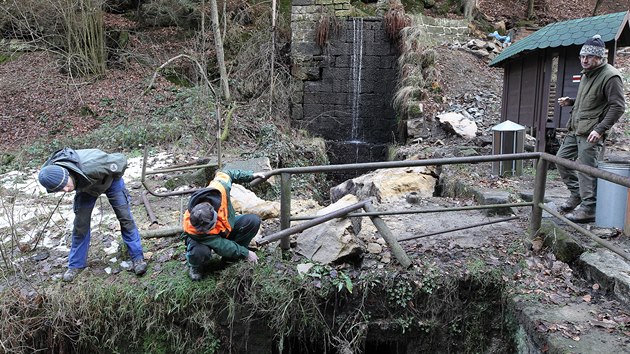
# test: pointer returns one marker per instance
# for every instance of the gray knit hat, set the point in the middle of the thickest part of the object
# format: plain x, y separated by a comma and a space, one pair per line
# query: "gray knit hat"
54, 178
203, 217
594, 46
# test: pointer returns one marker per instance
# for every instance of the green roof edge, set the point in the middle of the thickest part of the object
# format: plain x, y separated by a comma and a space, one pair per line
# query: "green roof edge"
537, 40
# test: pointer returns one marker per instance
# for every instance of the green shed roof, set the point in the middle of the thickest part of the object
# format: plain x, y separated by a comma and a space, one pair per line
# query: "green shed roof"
567, 33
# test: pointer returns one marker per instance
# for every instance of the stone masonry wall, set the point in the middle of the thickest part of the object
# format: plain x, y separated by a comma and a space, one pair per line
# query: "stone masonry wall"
326, 100
357, 122
441, 30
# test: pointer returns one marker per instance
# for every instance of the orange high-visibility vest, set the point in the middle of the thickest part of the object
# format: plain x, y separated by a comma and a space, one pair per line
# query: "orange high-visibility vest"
222, 227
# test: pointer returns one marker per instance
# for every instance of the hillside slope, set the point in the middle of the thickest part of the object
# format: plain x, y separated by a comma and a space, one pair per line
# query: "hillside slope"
42, 106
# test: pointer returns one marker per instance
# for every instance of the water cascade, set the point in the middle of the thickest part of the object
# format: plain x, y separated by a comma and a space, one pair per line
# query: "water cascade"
347, 90
356, 66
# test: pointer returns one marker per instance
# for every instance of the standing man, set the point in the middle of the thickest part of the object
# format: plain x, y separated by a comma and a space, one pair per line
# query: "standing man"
598, 105
92, 172
210, 223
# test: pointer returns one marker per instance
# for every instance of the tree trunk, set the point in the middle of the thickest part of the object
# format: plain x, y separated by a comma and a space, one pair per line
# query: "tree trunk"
597, 4
530, 9
218, 43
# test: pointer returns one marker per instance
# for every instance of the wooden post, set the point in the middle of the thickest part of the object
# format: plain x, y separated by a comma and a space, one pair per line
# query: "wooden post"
382, 228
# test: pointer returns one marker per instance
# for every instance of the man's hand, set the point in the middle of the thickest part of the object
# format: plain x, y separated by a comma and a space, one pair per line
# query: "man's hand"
252, 257
564, 101
259, 175
593, 137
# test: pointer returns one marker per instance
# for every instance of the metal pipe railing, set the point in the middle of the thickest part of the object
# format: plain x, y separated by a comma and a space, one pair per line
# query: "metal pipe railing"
285, 174
285, 233
167, 194
537, 204
541, 177
466, 227
425, 211
396, 164
585, 232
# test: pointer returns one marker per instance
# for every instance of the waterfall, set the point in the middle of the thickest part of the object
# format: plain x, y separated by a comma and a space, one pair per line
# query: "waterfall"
356, 66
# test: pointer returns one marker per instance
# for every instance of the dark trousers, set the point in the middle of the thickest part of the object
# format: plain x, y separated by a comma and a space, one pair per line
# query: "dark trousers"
244, 230
580, 184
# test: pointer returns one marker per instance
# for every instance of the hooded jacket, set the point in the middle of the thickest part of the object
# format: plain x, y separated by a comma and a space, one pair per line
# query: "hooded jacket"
93, 169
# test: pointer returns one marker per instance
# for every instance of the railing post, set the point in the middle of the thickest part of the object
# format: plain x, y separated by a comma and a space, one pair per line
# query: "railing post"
386, 233
285, 207
539, 195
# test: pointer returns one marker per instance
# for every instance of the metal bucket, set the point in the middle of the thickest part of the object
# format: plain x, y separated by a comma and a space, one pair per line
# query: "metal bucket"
612, 198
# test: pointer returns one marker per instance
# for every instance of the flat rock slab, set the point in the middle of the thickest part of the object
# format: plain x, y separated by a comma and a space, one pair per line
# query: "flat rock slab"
610, 270
566, 329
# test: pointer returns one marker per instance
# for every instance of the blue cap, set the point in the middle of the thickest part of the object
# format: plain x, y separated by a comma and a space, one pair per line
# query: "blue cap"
54, 178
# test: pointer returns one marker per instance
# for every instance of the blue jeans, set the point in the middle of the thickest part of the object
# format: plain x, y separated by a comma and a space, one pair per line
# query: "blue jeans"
119, 198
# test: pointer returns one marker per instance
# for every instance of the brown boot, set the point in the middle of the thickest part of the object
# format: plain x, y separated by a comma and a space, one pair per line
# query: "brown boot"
582, 215
571, 203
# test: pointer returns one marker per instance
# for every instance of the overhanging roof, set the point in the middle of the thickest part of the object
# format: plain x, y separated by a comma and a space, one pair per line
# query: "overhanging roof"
573, 32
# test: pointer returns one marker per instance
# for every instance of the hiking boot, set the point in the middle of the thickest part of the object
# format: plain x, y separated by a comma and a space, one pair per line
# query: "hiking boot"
71, 273
139, 266
194, 273
581, 215
570, 203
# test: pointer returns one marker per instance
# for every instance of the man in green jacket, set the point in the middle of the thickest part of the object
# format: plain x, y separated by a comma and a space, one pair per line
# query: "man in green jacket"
92, 172
598, 105
211, 224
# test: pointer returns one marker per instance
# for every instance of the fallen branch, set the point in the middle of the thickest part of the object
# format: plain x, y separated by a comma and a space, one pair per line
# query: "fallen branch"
166, 232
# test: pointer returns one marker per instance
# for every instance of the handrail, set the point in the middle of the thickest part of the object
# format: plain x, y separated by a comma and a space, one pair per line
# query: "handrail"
591, 235
537, 204
168, 194
308, 224
396, 164
426, 211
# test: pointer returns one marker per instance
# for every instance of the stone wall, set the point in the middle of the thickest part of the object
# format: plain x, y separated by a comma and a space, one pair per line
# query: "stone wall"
344, 88
436, 31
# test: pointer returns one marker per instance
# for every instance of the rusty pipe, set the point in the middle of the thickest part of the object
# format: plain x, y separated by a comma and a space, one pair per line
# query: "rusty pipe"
308, 224
147, 205
459, 228
149, 189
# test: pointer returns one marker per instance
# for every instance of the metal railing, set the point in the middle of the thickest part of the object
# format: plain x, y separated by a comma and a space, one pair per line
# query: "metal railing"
541, 163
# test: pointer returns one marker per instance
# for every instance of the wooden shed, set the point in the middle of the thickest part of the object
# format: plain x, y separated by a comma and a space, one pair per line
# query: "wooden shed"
545, 65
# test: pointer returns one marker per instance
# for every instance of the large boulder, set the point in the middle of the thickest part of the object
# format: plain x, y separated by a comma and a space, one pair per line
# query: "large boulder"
389, 184
333, 240
246, 202
458, 124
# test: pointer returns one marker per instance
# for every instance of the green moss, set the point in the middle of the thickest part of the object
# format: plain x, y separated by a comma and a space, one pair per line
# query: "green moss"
564, 247
363, 9
4, 58
413, 6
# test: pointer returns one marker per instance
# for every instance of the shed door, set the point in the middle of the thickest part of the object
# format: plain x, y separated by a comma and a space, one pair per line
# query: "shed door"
569, 69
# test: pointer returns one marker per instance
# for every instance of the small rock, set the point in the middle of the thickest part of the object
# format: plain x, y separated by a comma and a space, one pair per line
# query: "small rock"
374, 248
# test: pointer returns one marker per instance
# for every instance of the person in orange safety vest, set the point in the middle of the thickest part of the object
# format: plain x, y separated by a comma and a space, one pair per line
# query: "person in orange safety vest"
211, 224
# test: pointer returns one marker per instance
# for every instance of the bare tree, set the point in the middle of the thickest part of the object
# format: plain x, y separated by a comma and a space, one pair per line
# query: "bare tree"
218, 43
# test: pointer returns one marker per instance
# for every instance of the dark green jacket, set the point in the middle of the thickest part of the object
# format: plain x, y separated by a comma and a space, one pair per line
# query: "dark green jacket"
599, 102
93, 169
221, 243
